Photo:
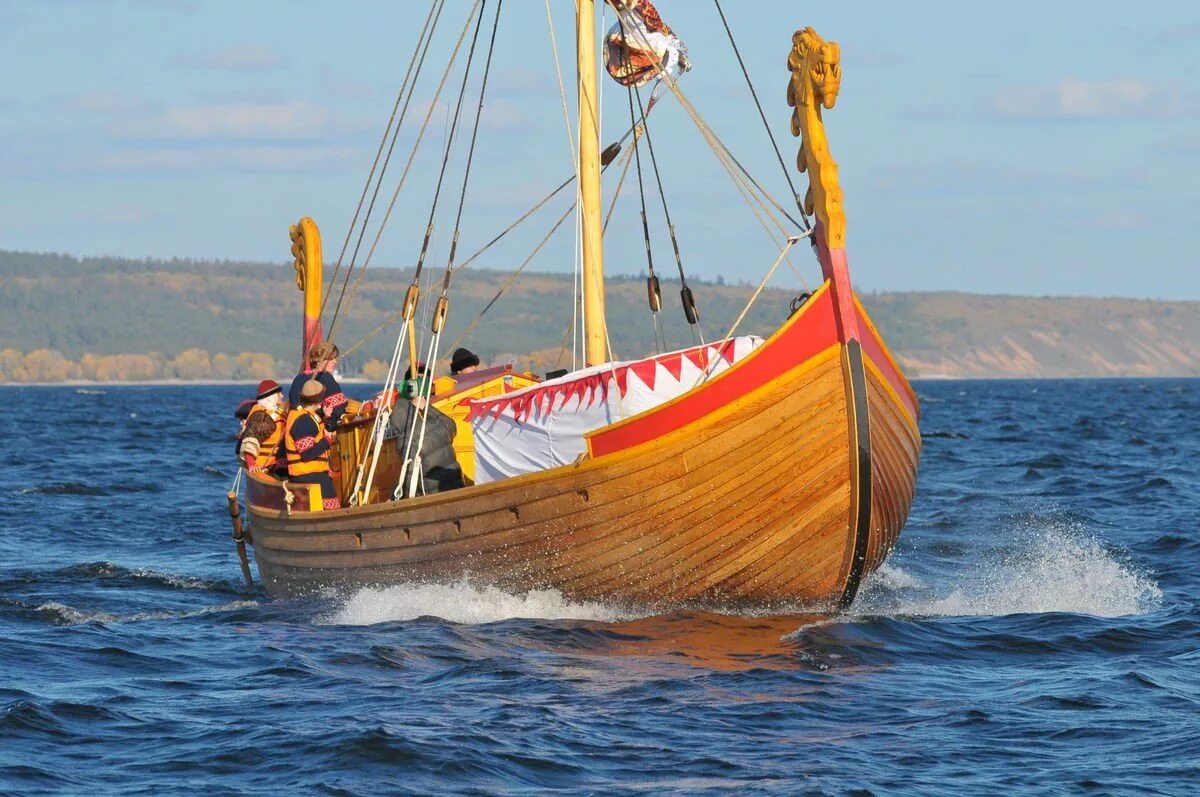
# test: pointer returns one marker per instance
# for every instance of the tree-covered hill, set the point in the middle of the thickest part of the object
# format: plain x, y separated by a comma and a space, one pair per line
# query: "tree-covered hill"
188, 319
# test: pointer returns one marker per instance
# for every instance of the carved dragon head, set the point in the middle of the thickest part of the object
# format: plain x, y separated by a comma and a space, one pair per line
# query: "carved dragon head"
816, 77
816, 67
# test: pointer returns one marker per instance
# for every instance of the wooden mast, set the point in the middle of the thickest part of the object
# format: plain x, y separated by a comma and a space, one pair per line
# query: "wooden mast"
680, 505
595, 346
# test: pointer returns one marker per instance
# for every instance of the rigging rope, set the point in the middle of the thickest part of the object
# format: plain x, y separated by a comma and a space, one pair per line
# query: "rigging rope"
606, 157
439, 314
537, 206
762, 115
690, 311
612, 203
577, 305
750, 189
395, 315
735, 170
512, 278
741, 178
653, 291
395, 134
426, 31
421, 417
437, 193
792, 241
411, 156
723, 153
462, 197
377, 436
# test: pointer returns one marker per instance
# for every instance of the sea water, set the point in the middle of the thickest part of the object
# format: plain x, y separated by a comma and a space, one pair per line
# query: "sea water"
1034, 632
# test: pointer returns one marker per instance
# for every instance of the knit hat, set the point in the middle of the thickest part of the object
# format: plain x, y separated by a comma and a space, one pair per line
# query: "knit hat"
312, 390
268, 387
462, 358
243, 410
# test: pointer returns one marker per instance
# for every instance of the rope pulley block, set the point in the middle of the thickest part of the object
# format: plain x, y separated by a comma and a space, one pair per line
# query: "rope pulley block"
654, 293
439, 313
689, 305
410, 300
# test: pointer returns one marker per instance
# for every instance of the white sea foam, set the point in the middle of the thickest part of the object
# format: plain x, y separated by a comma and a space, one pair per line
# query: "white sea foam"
462, 603
1051, 570
69, 615
891, 577
172, 580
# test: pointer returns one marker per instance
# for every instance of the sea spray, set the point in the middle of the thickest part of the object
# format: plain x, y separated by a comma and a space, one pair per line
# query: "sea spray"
462, 602
1055, 568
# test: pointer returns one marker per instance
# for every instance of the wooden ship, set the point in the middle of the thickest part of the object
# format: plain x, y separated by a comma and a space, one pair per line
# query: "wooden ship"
782, 480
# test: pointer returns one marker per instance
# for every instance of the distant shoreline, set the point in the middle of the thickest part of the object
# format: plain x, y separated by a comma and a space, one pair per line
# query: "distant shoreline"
197, 328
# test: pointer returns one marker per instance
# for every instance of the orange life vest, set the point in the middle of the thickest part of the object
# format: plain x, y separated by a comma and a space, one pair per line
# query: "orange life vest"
268, 450
296, 466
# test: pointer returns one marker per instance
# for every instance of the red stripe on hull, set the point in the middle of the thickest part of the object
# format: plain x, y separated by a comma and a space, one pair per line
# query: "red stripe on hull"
807, 334
874, 348
838, 273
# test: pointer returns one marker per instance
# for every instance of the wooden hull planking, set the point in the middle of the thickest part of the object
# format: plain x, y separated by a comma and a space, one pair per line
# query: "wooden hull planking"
782, 481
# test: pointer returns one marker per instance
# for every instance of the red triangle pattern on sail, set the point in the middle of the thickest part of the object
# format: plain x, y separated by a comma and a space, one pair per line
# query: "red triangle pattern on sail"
546, 425
595, 383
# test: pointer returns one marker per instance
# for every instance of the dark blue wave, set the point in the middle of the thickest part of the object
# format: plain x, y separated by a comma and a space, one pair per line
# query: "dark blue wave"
1034, 632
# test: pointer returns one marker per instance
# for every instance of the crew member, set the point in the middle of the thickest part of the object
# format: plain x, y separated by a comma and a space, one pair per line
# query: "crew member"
463, 361
263, 430
320, 365
439, 466
307, 443
422, 369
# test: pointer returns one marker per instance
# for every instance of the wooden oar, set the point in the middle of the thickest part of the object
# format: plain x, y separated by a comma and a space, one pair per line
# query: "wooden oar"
239, 536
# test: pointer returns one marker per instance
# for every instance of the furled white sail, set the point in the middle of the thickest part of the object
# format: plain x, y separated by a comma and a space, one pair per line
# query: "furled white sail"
545, 425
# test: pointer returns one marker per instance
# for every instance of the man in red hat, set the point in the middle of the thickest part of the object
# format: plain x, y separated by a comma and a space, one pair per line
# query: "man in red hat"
263, 431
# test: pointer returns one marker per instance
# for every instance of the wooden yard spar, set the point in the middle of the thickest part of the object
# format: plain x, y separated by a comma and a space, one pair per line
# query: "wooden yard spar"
782, 475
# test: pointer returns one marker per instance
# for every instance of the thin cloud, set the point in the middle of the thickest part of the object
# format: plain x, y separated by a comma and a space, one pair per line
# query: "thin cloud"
1116, 220
1081, 100
292, 120
502, 115
240, 158
519, 81
1186, 146
105, 103
1180, 34
862, 55
345, 88
240, 57
997, 177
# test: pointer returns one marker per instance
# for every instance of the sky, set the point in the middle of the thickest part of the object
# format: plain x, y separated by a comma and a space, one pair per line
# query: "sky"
1043, 148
